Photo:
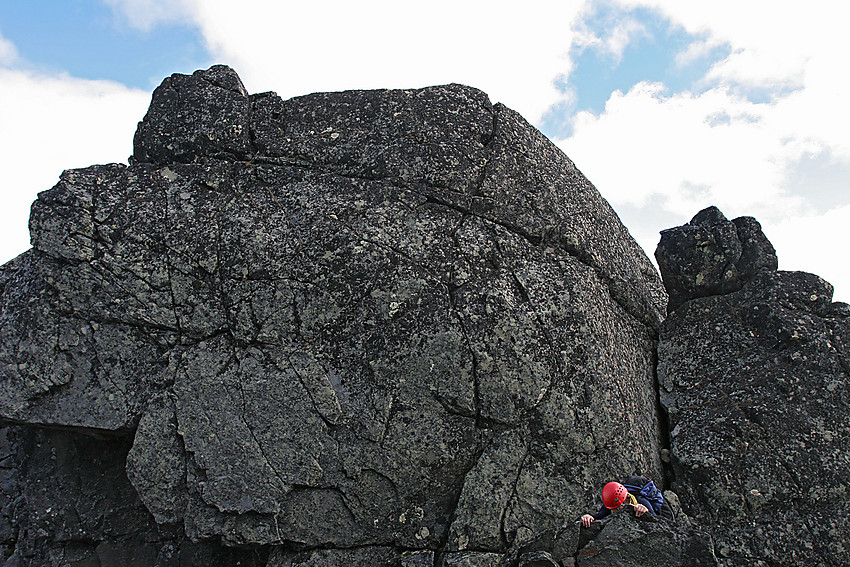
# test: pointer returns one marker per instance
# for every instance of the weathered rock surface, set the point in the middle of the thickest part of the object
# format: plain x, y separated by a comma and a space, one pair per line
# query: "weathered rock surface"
397, 323
470, 559
627, 542
619, 540
370, 555
68, 501
755, 385
399, 328
712, 255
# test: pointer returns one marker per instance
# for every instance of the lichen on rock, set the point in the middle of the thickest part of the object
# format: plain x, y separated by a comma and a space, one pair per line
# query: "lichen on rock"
754, 380
328, 322
400, 327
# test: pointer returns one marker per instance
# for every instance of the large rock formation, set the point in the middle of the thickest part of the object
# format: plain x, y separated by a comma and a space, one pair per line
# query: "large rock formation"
755, 385
398, 323
400, 328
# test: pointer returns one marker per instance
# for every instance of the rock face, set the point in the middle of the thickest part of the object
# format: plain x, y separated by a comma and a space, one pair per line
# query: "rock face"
755, 385
400, 323
400, 328
626, 542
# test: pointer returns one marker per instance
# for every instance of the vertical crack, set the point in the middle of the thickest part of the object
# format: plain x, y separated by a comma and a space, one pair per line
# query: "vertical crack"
503, 530
662, 418
168, 264
243, 415
476, 388
544, 330
462, 483
310, 394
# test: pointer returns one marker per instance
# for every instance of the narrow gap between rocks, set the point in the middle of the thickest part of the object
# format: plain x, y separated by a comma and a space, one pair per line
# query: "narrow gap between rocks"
662, 418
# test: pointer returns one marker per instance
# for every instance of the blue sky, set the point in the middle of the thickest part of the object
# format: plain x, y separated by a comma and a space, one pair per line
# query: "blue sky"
87, 39
667, 106
649, 56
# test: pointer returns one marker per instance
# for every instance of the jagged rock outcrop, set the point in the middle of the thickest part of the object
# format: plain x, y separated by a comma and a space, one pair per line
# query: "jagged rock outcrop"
712, 255
389, 324
755, 382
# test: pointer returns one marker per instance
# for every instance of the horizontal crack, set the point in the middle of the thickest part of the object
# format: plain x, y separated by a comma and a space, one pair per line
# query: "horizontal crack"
538, 240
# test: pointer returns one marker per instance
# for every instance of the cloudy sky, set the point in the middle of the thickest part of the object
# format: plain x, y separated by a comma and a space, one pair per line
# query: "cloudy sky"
667, 106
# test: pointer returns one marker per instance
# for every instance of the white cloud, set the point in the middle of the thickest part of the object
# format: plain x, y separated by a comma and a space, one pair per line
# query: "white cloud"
698, 49
712, 148
771, 41
789, 53
614, 37
52, 123
8, 53
683, 151
622, 35
145, 14
513, 52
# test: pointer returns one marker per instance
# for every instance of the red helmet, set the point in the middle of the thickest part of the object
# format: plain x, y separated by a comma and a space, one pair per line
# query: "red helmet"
613, 495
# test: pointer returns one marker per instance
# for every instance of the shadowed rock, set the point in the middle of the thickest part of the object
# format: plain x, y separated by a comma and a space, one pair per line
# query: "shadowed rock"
627, 542
618, 540
67, 501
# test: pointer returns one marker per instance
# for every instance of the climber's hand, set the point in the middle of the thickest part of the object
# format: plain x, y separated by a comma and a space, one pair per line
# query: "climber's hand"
586, 520
640, 510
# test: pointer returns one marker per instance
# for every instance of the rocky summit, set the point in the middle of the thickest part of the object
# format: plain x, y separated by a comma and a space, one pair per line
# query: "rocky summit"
400, 328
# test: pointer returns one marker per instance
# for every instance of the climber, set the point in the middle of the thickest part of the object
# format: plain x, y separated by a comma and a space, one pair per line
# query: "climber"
636, 491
